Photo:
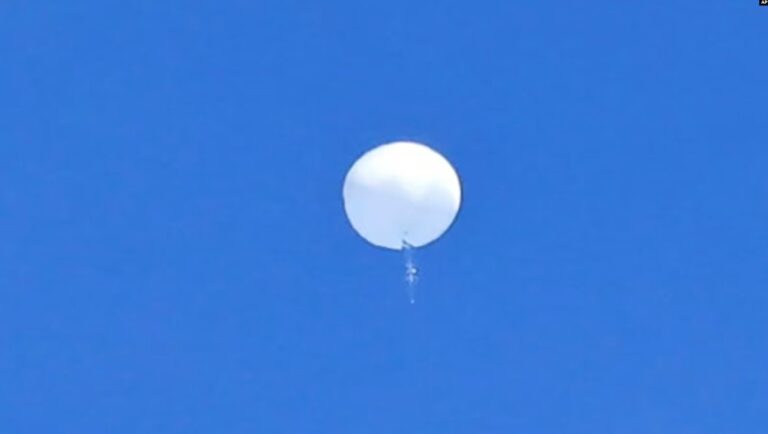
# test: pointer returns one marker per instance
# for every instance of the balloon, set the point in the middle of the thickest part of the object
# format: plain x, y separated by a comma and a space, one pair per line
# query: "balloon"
401, 192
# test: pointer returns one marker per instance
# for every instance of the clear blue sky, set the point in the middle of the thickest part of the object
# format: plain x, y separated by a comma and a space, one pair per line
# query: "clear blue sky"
174, 256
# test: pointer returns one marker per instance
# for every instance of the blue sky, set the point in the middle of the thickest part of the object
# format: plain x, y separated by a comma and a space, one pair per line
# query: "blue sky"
174, 256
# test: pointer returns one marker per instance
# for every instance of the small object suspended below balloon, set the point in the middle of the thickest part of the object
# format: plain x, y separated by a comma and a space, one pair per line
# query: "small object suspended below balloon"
401, 196
411, 272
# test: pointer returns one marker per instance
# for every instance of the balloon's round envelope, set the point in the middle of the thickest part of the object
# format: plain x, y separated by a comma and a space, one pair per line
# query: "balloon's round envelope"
402, 192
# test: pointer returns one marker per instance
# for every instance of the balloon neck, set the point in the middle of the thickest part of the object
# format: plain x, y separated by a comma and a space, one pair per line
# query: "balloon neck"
407, 245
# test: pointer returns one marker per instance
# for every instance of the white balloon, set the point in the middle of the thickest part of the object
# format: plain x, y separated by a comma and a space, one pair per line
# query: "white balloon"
401, 192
